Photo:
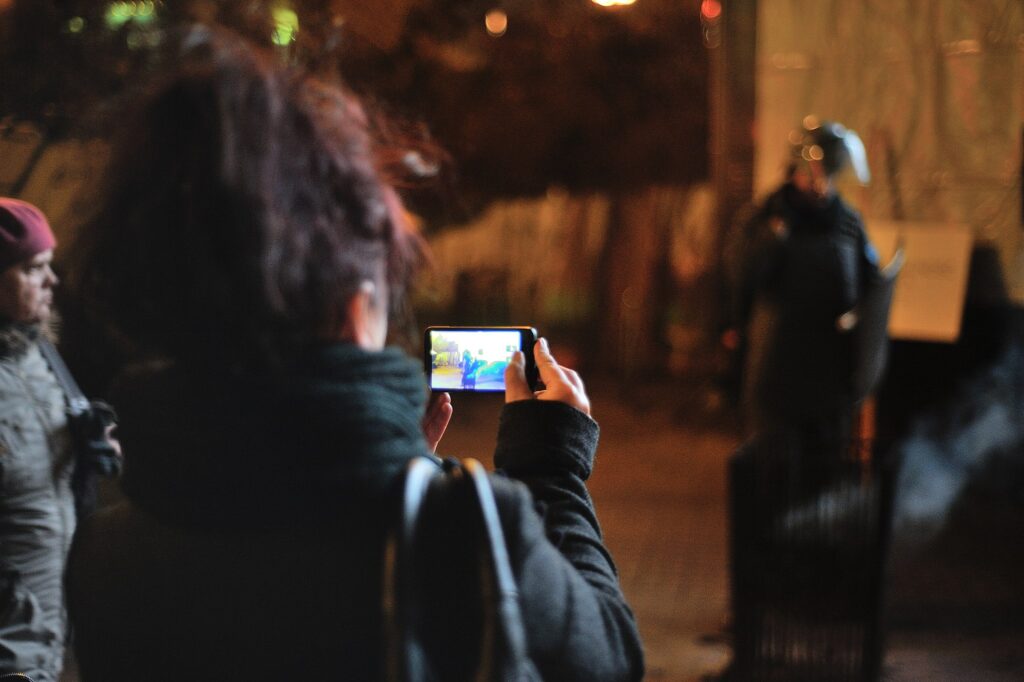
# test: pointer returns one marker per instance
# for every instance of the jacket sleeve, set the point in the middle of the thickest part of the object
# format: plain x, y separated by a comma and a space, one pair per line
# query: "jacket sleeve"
867, 261
759, 262
578, 624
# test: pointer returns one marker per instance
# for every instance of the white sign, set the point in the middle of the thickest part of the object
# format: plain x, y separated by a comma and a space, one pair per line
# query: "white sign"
928, 302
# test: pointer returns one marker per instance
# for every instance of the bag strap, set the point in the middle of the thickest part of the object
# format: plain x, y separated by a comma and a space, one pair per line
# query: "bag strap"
503, 651
403, 650
503, 621
94, 452
77, 402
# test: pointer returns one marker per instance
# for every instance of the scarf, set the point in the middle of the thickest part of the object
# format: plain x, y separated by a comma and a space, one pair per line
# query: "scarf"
204, 448
17, 337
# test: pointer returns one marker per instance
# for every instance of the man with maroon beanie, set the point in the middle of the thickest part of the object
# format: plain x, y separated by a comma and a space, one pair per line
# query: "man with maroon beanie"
37, 510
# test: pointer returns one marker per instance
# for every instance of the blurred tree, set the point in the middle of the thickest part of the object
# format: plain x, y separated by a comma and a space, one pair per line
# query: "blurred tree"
571, 94
555, 92
69, 65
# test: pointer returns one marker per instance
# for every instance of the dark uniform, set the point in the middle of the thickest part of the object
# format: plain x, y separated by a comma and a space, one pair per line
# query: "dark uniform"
812, 265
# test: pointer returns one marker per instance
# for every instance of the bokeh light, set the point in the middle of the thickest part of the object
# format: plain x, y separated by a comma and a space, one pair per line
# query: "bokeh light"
496, 22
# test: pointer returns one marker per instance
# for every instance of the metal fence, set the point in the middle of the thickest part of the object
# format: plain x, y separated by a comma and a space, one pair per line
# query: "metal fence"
808, 534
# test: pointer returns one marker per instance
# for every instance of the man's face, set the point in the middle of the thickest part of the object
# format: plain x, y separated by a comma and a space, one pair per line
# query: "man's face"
26, 289
811, 179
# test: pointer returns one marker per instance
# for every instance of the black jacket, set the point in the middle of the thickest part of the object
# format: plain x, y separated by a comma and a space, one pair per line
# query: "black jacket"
250, 546
798, 281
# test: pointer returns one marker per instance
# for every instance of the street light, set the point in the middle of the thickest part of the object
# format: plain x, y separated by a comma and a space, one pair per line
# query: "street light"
286, 25
496, 22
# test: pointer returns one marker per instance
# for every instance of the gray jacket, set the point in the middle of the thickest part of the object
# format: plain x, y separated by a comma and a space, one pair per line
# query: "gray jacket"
37, 513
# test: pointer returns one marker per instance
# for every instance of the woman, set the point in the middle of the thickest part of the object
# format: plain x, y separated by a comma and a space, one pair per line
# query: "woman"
248, 249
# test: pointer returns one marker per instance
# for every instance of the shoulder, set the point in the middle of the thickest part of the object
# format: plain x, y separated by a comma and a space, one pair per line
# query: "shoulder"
851, 227
515, 502
452, 496
452, 513
777, 202
850, 220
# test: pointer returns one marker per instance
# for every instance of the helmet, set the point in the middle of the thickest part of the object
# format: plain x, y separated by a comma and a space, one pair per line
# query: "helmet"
832, 145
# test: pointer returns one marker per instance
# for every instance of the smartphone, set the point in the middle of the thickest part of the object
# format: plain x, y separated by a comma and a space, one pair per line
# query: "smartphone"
474, 358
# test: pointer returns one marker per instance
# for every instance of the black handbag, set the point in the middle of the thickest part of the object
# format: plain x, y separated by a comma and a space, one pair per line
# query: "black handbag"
503, 654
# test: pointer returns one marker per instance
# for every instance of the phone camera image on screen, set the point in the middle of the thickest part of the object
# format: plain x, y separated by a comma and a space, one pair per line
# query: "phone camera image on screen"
473, 358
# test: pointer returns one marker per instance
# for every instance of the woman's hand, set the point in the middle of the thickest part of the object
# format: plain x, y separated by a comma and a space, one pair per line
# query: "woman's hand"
560, 383
435, 421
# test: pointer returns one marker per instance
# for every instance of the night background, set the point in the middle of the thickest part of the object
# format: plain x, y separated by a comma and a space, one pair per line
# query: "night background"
576, 166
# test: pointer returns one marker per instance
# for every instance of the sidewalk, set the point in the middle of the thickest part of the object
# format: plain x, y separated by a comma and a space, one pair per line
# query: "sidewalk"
660, 491
660, 495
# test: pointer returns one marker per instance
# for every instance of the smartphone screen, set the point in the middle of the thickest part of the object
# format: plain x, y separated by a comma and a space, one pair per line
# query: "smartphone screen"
475, 358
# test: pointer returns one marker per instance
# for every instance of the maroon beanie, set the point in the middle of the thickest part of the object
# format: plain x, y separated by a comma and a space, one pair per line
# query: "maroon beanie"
24, 232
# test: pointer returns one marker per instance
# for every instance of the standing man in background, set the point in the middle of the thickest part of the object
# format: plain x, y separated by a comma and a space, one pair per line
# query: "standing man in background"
37, 507
806, 263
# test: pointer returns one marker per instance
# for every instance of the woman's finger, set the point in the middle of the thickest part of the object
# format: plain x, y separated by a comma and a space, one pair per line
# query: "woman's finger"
573, 377
435, 421
516, 387
549, 369
560, 383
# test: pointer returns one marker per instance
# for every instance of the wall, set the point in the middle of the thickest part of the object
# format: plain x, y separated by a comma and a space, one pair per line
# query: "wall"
934, 87
59, 176
626, 277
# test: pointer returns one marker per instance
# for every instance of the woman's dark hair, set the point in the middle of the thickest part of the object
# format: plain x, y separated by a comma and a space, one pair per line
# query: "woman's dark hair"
242, 208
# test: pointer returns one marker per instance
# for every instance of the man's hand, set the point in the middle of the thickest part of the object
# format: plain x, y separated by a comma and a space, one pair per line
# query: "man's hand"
435, 421
560, 383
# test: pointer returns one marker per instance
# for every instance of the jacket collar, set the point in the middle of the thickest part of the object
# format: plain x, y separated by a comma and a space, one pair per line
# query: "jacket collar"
205, 448
16, 338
